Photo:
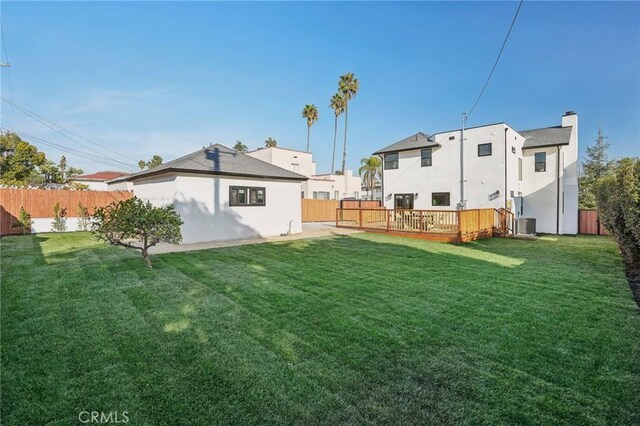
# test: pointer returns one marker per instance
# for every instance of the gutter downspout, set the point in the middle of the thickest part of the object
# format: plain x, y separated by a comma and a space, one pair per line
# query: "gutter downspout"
464, 120
505, 167
558, 190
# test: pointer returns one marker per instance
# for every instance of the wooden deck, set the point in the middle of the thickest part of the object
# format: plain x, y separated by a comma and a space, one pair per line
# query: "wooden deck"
439, 225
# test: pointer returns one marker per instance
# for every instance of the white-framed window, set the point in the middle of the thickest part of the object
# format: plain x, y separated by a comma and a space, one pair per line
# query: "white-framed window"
295, 167
321, 195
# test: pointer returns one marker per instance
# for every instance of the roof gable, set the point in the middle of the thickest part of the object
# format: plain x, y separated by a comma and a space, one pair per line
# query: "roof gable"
548, 136
417, 141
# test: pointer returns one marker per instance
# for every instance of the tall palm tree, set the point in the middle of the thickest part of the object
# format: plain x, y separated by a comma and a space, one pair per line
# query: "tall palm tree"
310, 112
370, 171
337, 103
240, 147
348, 87
271, 143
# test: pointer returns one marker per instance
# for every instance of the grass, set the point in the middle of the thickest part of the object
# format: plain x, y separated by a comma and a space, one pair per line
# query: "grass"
360, 329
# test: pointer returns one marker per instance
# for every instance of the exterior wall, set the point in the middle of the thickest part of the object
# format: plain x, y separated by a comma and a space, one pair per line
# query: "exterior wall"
121, 185
96, 185
484, 176
286, 158
203, 204
569, 165
347, 186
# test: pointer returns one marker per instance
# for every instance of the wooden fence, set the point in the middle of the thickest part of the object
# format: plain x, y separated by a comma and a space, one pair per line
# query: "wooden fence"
318, 210
589, 223
360, 204
39, 203
440, 225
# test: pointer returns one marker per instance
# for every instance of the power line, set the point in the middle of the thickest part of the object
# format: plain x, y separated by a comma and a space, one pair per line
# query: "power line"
61, 130
497, 59
68, 150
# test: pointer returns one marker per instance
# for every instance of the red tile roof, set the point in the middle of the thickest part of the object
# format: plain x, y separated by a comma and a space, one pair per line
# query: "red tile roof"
100, 176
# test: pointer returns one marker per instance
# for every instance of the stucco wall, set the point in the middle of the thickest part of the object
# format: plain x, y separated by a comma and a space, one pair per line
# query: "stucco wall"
286, 158
203, 204
95, 186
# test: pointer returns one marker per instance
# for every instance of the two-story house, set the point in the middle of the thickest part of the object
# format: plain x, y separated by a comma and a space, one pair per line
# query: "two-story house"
533, 173
328, 186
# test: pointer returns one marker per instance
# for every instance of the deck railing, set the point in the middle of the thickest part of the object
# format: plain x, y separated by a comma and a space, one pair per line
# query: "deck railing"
454, 225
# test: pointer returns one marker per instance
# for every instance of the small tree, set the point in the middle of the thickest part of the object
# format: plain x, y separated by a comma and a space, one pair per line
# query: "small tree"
59, 223
595, 165
83, 217
23, 222
136, 224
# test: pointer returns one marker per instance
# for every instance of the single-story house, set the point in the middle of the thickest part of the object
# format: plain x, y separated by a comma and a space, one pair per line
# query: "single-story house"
222, 194
97, 181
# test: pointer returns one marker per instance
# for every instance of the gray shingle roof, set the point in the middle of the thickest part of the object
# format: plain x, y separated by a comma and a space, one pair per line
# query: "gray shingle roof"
549, 136
417, 141
219, 160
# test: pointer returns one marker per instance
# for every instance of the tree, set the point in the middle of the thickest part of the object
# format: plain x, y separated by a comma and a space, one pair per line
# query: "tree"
19, 161
240, 147
348, 87
59, 223
595, 166
271, 143
617, 196
310, 112
370, 171
83, 217
23, 222
337, 104
136, 224
156, 160
62, 165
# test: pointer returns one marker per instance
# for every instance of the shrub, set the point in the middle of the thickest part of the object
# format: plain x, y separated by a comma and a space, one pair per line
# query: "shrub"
23, 222
618, 201
132, 221
59, 222
83, 217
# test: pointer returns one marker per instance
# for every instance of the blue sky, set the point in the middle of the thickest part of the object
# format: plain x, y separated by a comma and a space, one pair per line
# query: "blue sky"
167, 78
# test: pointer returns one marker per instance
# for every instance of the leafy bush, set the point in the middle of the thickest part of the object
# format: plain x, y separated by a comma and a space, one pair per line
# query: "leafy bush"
618, 200
132, 221
24, 221
83, 217
59, 222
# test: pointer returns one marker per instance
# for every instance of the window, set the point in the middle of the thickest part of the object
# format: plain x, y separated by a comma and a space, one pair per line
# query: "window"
541, 161
295, 167
391, 161
321, 195
520, 169
425, 156
247, 196
440, 199
301, 194
484, 150
451, 138
404, 201
336, 195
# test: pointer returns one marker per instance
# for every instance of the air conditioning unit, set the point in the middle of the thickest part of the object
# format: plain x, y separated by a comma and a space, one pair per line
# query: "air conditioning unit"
527, 225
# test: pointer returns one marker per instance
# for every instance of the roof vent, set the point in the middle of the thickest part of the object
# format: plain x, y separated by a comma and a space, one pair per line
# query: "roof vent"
569, 113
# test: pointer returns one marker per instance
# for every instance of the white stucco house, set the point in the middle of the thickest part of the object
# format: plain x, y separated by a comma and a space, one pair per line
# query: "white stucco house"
98, 181
221, 194
319, 186
533, 173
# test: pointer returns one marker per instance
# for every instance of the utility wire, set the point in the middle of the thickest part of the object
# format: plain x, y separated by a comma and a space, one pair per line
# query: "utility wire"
66, 149
497, 59
61, 130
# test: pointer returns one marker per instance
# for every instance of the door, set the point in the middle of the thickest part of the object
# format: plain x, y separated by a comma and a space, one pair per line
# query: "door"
403, 201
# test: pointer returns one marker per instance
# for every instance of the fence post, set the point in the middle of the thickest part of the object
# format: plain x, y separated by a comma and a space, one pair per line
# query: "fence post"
421, 222
360, 214
459, 217
388, 220
337, 212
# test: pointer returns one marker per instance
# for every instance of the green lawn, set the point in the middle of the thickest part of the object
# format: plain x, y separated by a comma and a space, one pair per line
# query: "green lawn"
360, 329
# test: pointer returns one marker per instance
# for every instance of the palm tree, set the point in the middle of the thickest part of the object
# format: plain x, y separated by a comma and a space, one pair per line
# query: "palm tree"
240, 147
370, 171
310, 112
337, 103
271, 143
348, 86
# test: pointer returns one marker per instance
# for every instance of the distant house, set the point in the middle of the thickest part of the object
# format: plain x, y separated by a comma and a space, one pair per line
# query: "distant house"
223, 195
329, 186
97, 181
533, 173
